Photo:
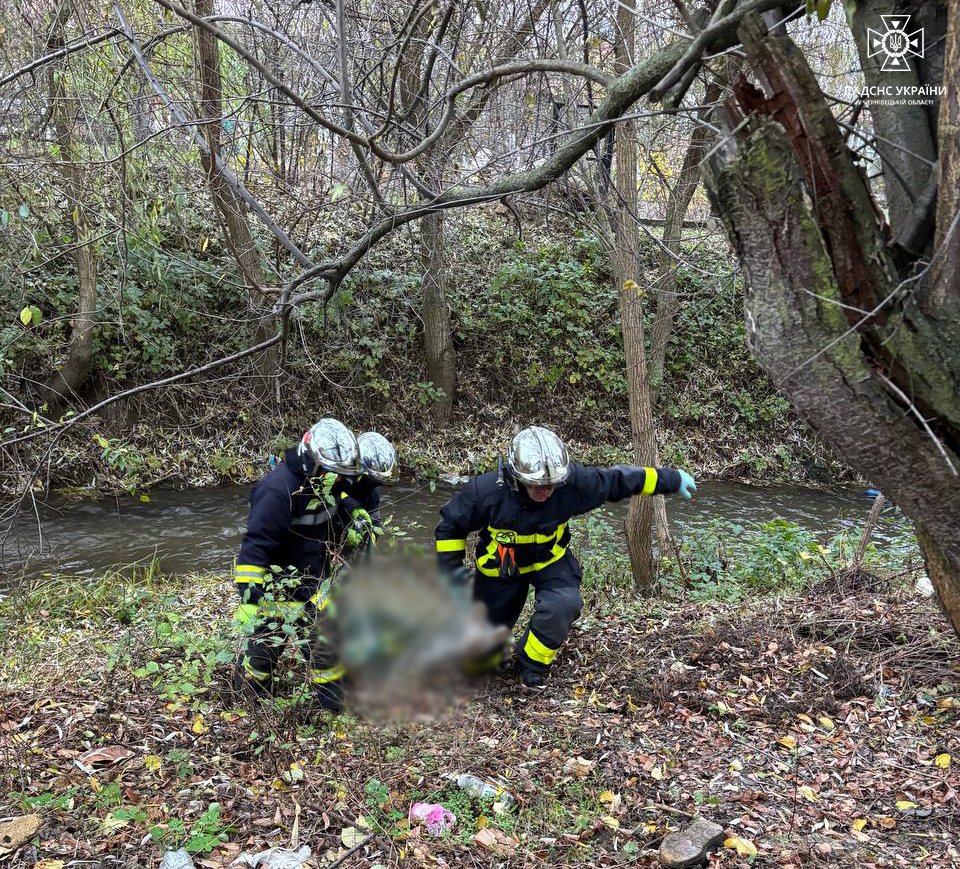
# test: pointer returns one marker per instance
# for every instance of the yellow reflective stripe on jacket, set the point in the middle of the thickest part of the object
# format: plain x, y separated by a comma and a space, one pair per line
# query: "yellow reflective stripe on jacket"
537, 651
451, 545
556, 552
649, 481
252, 672
249, 573
528, 568
331, 674
510, 538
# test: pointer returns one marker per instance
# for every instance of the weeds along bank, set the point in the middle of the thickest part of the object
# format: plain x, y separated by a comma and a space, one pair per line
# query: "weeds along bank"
536, 330
820, 727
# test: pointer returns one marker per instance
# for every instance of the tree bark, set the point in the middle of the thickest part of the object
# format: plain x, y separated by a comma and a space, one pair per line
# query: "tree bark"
72, 375
437, 334
236, 229
625, 273
828, 316
942, 302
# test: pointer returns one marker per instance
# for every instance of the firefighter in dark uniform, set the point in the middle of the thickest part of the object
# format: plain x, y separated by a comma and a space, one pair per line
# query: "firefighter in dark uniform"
522, 515
285, 558
360, 506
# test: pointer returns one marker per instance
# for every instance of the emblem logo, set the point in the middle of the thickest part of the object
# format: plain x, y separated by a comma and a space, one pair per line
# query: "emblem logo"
895, 43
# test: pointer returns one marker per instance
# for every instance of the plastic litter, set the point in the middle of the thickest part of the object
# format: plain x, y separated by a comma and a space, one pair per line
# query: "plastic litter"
483, 789
437, 818
274, 858
177, 860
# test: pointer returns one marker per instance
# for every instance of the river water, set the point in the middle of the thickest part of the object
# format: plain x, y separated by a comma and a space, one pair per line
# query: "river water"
200, 529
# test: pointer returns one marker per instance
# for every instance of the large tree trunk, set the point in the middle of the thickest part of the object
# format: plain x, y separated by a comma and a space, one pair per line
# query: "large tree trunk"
942, 301
74, 372
625, 274
870, 362
438, 351
437, 335
236, 229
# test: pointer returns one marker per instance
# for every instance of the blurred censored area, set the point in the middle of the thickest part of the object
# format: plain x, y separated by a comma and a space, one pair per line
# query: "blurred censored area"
405, 636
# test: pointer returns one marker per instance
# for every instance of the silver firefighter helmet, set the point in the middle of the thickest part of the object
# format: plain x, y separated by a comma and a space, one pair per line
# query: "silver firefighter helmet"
378, 458
330, 446
537, 457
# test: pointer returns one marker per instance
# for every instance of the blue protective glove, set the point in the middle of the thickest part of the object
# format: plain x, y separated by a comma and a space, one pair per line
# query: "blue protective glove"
687, 485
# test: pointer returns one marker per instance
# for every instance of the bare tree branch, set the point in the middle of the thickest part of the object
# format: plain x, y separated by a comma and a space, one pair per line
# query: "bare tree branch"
717, 30
59, 428
34, 65
227, 173
481, 78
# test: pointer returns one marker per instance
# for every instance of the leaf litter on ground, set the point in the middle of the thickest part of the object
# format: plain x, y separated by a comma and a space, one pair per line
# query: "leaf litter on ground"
818, 731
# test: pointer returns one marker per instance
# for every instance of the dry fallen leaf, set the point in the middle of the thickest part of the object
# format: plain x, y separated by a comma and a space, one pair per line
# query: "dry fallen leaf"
858, 824
743, 847
787, 742
111, 823
611, 800
107, 755
942, 760
351, 836
495, 841
579, 766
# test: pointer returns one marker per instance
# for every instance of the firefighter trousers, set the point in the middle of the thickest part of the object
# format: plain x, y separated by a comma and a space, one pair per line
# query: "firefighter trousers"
557, 605
308, 624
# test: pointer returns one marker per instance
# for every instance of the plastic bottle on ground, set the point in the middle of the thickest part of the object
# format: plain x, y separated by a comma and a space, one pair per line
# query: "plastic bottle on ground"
483, 789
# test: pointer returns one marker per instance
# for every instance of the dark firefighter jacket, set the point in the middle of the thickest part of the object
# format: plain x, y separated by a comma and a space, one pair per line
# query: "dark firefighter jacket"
361, 492
290, 526
518, 536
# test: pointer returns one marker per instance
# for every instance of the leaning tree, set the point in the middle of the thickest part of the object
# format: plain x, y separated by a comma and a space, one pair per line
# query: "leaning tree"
853, 285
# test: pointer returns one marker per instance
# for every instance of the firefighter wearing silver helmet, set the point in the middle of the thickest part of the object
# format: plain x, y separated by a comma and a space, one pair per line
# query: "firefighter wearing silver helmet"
537, 457
378, 458
378, 468
524, 537
292, 525
329, 446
